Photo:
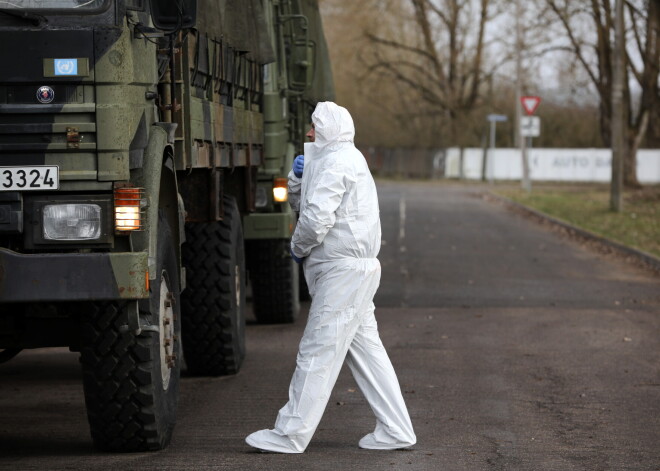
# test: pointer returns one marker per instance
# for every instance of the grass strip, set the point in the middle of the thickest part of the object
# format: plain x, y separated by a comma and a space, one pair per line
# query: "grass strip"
587, 206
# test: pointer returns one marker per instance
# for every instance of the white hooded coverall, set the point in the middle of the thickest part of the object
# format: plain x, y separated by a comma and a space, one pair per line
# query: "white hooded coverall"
338, 234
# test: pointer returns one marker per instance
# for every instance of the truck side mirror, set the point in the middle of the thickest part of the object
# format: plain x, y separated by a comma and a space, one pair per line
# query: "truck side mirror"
301, 65
172, 15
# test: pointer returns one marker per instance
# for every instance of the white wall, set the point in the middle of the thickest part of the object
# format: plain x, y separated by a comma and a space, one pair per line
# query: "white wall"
571, 165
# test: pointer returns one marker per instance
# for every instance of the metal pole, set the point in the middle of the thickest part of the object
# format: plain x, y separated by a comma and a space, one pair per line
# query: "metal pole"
489, 168
484, 156
518, 78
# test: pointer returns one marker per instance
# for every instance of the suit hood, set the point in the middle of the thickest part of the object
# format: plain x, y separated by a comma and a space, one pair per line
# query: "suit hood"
333, 126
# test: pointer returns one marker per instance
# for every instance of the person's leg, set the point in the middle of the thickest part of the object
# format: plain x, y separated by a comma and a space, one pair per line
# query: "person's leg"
377, 380
330, 329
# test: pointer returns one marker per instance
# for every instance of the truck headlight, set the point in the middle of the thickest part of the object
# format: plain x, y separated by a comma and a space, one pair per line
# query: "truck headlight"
72, 221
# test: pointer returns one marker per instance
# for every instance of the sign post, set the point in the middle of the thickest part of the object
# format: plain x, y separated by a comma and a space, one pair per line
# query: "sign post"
487, 167
529, 126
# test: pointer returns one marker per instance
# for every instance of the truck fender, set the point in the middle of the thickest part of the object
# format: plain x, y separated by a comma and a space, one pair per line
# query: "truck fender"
158, 178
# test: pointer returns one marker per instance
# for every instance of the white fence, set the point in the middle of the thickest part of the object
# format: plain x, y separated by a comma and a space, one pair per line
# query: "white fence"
572, 165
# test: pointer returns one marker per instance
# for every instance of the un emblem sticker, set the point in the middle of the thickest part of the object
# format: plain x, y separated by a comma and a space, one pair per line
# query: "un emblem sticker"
65, 66
45, 94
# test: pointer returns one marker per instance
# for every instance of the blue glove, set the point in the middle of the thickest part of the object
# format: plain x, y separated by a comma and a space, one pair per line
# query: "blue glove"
295, 259
298, 165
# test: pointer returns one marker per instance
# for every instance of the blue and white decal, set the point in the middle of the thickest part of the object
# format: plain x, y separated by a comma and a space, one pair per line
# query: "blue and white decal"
65, 66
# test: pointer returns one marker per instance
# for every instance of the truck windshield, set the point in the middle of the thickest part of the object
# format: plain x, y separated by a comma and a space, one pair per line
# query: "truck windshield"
52, 4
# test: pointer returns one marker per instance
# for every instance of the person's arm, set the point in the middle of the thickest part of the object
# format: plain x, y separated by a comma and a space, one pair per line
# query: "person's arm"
319, 214
295, 185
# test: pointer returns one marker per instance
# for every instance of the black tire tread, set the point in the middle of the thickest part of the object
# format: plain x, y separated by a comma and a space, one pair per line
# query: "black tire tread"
273, 275
208, 342
117, 379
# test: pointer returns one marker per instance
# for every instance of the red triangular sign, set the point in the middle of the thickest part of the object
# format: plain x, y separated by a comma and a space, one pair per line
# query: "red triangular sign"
530, 103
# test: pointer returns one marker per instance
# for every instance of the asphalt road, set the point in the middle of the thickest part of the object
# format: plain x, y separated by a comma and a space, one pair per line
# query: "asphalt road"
516, 349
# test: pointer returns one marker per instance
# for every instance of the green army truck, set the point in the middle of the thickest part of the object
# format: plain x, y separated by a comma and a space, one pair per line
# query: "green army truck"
144, 148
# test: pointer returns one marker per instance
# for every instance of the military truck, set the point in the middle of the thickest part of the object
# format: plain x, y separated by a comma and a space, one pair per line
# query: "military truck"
144, 148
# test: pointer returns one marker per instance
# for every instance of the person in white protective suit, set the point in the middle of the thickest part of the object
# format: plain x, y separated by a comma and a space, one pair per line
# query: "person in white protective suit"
337, 239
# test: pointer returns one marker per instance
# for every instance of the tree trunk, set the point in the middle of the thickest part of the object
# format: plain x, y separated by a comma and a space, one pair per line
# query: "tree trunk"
630, 158
630, 168
619, 145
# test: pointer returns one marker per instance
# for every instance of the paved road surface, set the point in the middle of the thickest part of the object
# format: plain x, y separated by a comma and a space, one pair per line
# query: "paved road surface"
515, 349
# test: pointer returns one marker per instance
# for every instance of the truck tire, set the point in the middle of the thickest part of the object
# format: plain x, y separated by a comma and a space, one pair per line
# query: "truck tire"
131, 382
274, 278
213, 303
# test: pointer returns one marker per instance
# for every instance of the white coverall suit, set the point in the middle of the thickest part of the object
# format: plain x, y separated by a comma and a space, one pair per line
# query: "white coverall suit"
338, 234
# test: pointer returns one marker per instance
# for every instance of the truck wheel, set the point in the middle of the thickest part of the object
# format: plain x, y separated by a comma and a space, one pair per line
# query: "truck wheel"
274, 278
214, 300
131, 382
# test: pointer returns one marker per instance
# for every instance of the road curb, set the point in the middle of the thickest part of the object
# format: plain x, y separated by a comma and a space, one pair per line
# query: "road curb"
649, 261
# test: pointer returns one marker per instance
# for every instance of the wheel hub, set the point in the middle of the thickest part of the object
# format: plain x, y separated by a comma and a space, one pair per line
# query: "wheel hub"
237, 281
167, 338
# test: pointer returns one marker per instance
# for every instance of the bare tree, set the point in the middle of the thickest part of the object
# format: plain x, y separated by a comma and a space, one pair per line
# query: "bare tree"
589, 27
395, 77
374, 103
440, 57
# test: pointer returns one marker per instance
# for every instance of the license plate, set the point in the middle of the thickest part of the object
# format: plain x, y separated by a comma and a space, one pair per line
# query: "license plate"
42, 177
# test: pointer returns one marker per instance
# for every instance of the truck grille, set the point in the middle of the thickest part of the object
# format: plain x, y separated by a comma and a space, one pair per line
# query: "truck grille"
29, 131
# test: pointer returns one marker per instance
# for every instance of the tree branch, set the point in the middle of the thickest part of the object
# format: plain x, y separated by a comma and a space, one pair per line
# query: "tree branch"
439, 12
476, 64
401, 46
423, 91
638, 39
577, 50
422, 20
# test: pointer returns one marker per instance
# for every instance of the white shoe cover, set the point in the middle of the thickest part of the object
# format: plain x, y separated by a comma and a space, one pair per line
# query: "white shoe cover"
370, 442
269, 440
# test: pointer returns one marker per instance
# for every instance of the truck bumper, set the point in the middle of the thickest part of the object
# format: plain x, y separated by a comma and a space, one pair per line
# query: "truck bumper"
72, 277
268, 225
